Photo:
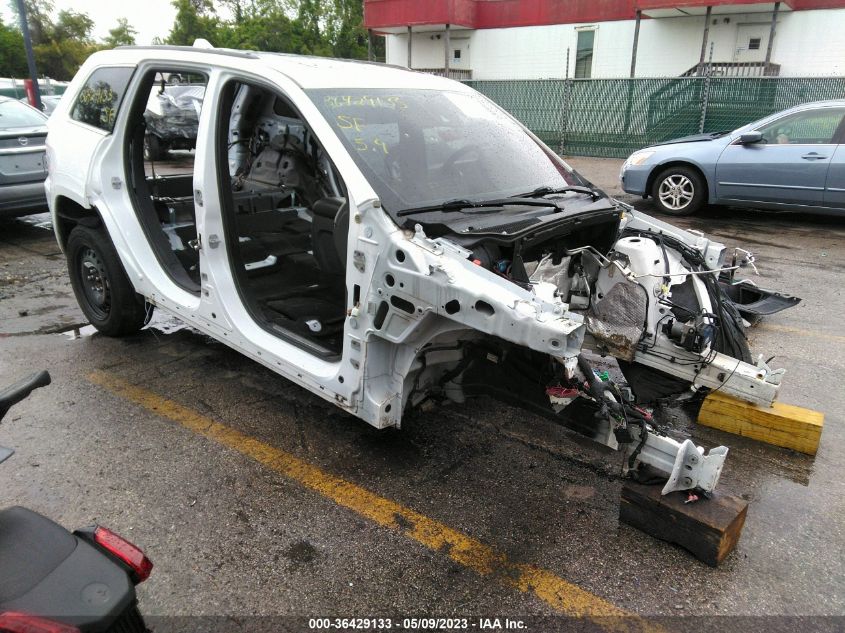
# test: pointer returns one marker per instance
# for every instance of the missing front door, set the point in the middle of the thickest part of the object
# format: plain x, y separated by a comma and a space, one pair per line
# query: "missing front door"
286, 216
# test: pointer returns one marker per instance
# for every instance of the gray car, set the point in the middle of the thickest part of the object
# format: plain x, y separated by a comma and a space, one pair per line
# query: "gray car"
22, 167
791, 161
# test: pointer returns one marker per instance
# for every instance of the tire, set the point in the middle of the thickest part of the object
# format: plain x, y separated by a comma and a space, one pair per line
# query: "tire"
679, 191
154, 149
102, 289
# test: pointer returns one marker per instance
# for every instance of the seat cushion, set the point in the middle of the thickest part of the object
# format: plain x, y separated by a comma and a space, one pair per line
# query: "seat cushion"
31, 546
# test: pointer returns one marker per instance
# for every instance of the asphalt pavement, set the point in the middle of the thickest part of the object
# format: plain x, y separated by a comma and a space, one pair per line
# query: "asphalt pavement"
255, 497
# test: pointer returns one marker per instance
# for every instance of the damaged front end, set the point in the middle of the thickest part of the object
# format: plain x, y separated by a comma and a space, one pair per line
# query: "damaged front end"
513, 309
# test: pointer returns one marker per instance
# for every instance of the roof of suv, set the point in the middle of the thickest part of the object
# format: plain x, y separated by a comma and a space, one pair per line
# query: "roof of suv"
308, 72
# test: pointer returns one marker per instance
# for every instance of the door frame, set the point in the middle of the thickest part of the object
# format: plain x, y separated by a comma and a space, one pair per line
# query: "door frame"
155, 238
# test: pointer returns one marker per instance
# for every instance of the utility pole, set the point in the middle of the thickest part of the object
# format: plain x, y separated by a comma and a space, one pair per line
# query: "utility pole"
636, 44
30, 56
447, 52
705, 37
771, 38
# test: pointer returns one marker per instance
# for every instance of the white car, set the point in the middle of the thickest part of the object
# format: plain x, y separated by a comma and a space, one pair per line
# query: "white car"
387, 238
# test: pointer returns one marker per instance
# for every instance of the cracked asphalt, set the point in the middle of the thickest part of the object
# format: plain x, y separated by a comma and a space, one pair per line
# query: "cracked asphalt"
230, 536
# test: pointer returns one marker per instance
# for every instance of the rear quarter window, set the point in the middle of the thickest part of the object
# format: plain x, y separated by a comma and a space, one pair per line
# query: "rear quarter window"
99, 100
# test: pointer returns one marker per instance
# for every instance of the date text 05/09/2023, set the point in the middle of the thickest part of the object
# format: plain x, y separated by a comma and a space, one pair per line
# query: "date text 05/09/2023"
417, 624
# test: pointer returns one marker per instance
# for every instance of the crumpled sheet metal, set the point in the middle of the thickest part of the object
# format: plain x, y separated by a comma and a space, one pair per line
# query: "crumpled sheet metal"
174, 113
617, 322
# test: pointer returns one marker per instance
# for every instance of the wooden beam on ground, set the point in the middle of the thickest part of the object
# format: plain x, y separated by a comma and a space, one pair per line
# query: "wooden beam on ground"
708, 528
782, 424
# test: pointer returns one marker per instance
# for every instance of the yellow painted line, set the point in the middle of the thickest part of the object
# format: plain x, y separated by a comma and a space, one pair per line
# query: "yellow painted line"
800, 332
563, 596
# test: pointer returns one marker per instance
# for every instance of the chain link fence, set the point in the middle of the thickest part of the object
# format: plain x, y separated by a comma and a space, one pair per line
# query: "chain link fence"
614, 117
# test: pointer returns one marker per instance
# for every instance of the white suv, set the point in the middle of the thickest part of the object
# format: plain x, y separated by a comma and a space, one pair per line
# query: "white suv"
384, 238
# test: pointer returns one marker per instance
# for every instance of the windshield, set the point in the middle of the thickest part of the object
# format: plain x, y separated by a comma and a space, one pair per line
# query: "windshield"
425, 147
15, 114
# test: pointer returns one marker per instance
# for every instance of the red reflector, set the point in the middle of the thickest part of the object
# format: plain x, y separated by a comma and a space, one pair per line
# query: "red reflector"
141, 565
15, 622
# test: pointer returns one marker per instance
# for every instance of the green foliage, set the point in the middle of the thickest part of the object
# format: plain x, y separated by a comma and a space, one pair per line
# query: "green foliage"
346, 31
121, 35
73, 26
60, 59
12, 55
194, 19
38, 18
330, 28
60, 46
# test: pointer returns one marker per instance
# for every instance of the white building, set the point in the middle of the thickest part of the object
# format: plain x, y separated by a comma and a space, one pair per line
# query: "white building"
539, 39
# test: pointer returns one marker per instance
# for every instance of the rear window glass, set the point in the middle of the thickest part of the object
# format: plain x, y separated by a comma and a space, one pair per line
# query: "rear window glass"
15, 114
99, 100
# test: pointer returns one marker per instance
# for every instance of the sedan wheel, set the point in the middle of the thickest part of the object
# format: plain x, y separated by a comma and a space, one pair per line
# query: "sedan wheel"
676, 192
679, 191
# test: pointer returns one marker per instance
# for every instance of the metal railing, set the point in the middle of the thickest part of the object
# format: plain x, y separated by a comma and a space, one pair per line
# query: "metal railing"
459, 74
734, 69
614, 117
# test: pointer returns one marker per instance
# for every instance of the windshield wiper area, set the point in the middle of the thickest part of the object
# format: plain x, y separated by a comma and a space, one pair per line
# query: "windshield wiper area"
539, 192
461, 204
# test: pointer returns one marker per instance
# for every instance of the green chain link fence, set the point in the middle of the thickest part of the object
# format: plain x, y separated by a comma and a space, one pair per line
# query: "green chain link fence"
614, 117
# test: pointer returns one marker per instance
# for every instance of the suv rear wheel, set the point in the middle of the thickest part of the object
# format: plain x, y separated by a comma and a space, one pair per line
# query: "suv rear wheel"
679, 191
103, 290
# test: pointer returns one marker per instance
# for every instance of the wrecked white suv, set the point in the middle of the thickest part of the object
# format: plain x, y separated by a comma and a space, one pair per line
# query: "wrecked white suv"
385, 239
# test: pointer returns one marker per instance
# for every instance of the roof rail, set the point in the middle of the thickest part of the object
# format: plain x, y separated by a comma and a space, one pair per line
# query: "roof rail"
229, 52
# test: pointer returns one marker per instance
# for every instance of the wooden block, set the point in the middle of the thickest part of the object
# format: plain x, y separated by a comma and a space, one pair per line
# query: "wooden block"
709, 528
782, 424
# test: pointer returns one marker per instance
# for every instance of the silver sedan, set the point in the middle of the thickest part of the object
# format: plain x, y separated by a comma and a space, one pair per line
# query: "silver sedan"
22, 167
790, 161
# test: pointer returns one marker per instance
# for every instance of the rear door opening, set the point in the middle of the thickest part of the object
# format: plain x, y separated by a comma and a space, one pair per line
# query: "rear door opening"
161, 140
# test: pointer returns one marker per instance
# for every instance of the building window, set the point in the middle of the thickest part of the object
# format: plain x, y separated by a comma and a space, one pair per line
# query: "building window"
457, 56
584, 54
754, 44
100, 97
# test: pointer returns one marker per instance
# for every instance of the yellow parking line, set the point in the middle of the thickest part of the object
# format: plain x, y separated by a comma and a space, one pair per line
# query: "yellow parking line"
565, 597
801, 332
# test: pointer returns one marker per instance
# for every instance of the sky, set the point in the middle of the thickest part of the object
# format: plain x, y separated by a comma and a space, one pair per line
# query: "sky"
150, 18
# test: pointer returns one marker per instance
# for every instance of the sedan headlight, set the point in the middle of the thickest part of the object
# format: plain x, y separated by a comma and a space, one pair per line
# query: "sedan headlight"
638, 158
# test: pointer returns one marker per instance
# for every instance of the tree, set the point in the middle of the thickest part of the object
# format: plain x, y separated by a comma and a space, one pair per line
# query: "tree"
37, 17
12, 55
60, 59
194, 19
121, 35
60, 45
345, 29
72, 25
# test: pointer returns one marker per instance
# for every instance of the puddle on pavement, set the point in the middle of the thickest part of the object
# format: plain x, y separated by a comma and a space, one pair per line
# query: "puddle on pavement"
79, 332
163, 324
166, 324
41, 221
